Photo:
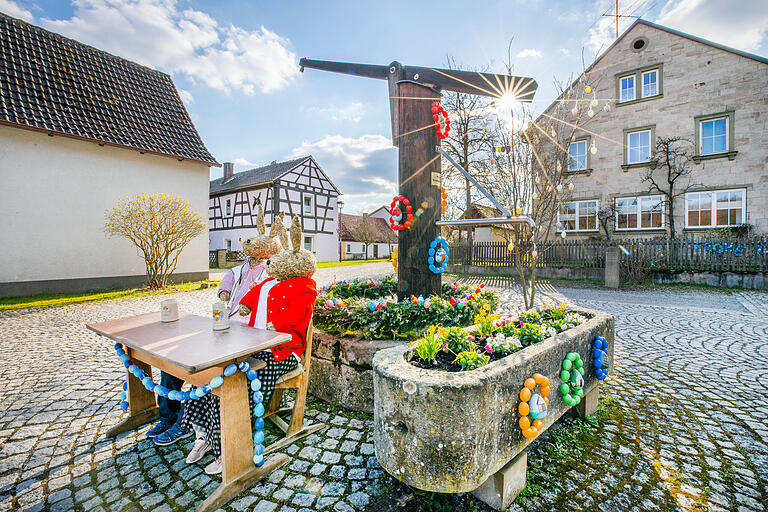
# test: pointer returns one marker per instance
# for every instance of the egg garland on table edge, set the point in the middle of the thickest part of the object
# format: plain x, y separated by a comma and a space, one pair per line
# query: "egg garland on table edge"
435, 253
572, 377
533, 404
398, 216
601, 362
199, 392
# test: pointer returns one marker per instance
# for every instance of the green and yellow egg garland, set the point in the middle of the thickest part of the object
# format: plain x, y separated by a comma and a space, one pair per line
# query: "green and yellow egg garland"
572, 377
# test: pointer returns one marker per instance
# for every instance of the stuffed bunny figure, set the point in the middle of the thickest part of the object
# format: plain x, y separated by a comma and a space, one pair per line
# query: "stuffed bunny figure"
290, 300
257, 249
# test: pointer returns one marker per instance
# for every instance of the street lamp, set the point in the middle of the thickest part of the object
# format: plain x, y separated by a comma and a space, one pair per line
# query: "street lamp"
341, 205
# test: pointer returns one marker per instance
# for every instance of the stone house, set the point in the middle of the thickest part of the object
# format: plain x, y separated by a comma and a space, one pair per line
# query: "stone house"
657, 82
297, 186
81, 129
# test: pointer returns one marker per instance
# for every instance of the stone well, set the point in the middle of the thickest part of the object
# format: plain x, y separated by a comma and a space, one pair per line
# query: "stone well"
342, 369
458, 432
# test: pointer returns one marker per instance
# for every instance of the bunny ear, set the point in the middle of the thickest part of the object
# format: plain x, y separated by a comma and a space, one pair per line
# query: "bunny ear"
296, 233
278, 230
260, 225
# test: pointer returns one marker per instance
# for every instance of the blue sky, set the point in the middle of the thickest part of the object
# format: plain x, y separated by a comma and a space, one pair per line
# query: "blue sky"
235, 62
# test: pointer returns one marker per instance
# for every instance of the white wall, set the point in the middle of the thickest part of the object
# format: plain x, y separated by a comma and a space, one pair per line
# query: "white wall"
53, 197
357, 249
482, 234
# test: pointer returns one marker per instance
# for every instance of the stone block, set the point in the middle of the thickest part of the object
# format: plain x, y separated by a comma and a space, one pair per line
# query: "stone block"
501, 488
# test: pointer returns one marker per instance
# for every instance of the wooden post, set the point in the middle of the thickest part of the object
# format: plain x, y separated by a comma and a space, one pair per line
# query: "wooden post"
416, 142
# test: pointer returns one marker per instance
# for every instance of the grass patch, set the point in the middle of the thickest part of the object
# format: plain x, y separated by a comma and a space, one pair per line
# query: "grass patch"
47, 300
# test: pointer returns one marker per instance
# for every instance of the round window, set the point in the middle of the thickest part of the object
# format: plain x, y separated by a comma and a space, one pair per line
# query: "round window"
639, 44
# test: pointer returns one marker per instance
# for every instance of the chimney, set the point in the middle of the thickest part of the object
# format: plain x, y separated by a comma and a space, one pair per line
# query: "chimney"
229, 170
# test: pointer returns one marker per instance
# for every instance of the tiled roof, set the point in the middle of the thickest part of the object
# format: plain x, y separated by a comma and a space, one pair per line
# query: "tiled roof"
254, 177
57, 85
352, 227
479, 211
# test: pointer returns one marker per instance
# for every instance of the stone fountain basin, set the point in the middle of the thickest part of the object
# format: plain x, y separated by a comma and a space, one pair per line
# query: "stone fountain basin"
449, 432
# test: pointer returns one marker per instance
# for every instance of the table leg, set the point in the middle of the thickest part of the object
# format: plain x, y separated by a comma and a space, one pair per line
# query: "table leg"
142, 407
238, 470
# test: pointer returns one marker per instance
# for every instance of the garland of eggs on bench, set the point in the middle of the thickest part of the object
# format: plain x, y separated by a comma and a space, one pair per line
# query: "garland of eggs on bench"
200, 392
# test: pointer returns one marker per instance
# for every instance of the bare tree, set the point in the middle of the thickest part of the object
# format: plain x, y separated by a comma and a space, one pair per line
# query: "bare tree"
160, 226
606, 218
671, 174
467, 140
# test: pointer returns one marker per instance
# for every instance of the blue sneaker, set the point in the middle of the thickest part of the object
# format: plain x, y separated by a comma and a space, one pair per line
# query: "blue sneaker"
171, 435
158, 429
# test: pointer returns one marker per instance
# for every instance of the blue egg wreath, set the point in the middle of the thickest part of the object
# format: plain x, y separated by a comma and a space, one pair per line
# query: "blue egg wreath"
200, 392
601, 358
434, 251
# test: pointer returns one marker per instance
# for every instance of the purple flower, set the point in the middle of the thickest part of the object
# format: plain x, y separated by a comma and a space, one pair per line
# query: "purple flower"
445, 346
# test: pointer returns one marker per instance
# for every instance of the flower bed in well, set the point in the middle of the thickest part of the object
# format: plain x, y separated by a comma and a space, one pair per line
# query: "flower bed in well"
455, 349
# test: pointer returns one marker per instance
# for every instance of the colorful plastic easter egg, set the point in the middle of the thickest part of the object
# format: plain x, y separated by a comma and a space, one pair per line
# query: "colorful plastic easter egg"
217, 381
258, 410
124, 405
230, 370
258, 460
255, 385
207, 389
258, 437
538, 408
258, 449
258, 397
123, 395
125, 386
244, 366
258, 423
251, 374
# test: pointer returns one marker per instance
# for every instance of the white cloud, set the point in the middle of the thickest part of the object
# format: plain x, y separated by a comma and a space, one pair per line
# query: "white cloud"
565, 51
528, 52
11, 8
244, 162
158, 34
350, 112
603, 33
363, 168
739, 23
186, 96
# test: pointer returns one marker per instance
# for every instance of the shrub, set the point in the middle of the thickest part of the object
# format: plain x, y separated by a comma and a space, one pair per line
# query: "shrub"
430, 344
530, 334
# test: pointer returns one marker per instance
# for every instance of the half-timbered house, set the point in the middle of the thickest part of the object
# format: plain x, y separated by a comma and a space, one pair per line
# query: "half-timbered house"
297, 186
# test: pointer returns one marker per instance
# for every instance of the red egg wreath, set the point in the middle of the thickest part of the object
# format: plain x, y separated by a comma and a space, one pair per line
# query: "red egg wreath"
437, 110
409, 213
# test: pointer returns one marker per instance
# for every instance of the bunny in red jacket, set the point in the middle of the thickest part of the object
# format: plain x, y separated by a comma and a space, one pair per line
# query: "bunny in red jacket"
286, 300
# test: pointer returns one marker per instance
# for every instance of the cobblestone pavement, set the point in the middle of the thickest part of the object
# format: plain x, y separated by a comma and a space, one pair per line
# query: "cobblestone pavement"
690, 430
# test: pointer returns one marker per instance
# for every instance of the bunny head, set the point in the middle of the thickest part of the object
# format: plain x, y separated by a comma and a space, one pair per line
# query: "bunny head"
289, 264
263, 246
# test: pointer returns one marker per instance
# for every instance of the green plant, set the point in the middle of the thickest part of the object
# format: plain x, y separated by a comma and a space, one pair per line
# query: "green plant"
485, 322
528, 334
530, 317
430, 344
456, 339
471, 359
555, 313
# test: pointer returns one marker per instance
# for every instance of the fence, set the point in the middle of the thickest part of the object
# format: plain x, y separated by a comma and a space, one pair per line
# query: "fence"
664, 254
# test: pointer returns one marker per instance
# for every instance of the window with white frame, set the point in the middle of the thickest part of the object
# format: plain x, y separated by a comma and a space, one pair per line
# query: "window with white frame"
228, 207
645, 212
308, 205
639, 147
578, 216
717, 208
627, 88
650, 83
713, 134
309, 243
577, 155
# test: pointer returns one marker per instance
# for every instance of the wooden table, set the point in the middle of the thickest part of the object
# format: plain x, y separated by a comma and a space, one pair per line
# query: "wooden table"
190, 349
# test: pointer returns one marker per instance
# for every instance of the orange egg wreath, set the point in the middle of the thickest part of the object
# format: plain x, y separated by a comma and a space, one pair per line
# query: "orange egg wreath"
532, 428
